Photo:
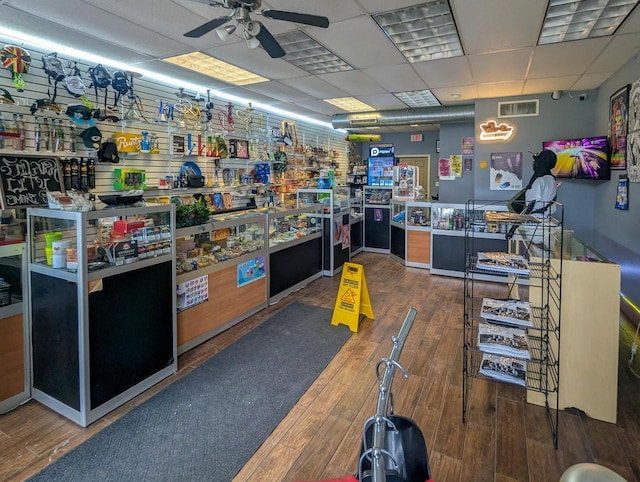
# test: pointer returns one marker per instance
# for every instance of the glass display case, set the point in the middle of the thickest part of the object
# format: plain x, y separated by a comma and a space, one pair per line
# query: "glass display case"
333, 200
221, 271
336, 225
356, 219
294, 234
411, 233
110, 275
448, 236
377, 219
14, 340
377, 195
207, 247
405, 182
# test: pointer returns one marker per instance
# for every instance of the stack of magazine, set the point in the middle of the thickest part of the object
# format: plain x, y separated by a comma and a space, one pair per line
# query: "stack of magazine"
504, 368
514, 312
503, 262
503, 340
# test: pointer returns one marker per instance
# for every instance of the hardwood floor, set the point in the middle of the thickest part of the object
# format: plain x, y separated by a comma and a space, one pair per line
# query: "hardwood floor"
504, 440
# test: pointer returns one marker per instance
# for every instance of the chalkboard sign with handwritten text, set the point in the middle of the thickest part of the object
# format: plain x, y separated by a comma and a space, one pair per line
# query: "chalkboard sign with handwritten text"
24, 181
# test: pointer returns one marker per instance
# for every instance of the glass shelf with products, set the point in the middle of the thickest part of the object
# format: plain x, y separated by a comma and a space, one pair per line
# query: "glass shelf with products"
292, 226
336, 232
96, 244
223, 241
448, 236
294, 234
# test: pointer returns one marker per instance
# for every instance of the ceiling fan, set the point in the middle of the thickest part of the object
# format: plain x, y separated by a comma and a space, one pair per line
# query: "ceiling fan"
255, 33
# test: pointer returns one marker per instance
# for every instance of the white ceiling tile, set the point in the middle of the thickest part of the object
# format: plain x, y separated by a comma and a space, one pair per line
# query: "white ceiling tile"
591, 81
495, 25
445, 72
102, 25
537, 86
466, 93
616, 53
278, 91
256, 60
359, 42
396, 78
501, 89
632, 24
320, 106
354, 82
315, 87
500, 66
565, 58
374, 6
382, 101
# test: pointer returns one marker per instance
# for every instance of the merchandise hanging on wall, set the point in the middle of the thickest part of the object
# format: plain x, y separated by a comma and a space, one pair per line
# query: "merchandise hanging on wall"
633, 156
618, 116
506, 171
622, 195
633, 121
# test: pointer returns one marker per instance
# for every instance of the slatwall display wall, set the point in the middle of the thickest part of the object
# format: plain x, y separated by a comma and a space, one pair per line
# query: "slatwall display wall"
150, 92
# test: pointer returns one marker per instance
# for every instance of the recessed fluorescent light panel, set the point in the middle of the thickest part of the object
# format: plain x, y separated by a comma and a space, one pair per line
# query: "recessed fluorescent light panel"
580, 19
349, 104
304, 52
418, 98
207, 65
422, 32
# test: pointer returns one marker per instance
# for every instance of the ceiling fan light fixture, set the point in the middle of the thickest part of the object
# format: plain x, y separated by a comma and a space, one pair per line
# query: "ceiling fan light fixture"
225, 32
253, 43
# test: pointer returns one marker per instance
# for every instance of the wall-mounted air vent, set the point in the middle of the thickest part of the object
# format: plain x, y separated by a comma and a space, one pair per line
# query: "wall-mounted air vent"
518, 108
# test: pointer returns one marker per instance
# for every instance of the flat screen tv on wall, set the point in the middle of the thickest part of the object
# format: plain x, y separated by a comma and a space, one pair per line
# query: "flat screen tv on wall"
582, 158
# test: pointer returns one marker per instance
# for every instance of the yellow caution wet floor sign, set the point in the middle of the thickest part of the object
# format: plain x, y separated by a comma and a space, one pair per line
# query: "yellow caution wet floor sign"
353, 297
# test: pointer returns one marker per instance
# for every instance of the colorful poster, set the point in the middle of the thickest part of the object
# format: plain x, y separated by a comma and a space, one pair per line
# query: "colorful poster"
506, 171
444, 169
456, 165
250, 271
193, 292
467, 163
633, 156
468, 144
618, 117
337, 230
346, 239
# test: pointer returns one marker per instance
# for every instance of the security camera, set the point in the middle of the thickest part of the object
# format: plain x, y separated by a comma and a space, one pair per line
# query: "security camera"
582, 96
556, 94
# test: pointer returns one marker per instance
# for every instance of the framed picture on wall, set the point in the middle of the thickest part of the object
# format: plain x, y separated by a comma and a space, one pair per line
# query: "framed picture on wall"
618, 124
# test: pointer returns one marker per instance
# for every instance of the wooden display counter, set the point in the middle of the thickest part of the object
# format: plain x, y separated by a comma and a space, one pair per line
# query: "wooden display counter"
227, 305
12, 366
15, 368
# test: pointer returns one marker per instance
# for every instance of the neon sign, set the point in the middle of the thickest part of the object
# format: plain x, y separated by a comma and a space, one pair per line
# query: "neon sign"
492, 131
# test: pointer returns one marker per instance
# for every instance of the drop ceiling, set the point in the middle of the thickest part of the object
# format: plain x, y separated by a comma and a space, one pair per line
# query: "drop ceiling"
499, 39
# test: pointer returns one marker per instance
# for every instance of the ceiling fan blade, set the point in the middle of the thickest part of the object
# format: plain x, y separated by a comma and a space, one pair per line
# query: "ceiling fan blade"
207, 27
313, 20
269, 43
